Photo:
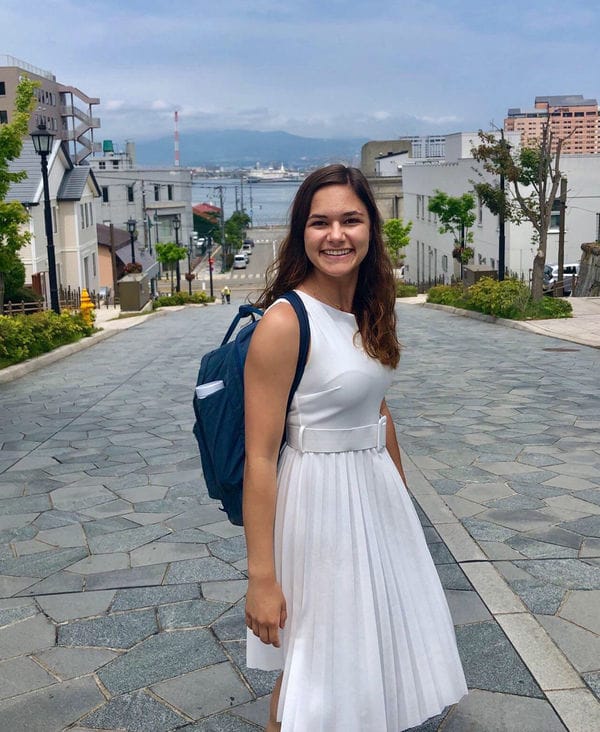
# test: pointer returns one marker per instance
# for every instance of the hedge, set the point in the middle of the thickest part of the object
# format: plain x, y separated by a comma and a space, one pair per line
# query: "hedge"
182, 298
507, 299
27, 336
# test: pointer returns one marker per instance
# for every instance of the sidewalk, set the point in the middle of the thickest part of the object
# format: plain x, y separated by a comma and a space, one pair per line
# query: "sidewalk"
121, 587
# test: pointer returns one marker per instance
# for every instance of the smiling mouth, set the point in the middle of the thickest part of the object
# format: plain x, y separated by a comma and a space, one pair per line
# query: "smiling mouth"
337, 252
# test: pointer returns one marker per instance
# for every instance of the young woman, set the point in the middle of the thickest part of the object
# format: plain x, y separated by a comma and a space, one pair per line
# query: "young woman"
342, 595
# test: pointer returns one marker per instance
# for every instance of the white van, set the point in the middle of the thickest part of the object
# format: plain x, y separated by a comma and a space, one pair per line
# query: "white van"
570, 272
239, 261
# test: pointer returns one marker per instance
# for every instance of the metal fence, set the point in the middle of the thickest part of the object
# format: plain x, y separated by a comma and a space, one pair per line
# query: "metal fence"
69, 299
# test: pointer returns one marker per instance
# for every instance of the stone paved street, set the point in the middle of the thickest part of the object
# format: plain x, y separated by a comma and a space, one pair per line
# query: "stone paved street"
121, 586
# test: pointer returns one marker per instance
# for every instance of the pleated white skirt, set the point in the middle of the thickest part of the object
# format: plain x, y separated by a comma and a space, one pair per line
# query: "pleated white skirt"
369, 644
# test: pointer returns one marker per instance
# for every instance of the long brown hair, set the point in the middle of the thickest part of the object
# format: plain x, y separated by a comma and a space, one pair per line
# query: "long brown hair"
375, 296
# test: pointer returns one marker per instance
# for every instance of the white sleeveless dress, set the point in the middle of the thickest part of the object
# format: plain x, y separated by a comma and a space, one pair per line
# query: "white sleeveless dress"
369, 644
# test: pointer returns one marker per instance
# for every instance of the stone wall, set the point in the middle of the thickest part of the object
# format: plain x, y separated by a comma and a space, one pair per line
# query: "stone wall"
588, 280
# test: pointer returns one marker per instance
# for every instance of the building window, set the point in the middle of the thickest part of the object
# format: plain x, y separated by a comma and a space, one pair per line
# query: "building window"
129, 194
157, 193
104, 194
102, 165
2, 88
598, 227
445, 263
170, 192
91, 205
479, 211
115, 163
555, 216
54, 220
93, 265
82, 215
3, 117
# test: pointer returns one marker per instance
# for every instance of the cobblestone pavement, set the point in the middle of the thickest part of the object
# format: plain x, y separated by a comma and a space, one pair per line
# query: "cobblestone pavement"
121, 586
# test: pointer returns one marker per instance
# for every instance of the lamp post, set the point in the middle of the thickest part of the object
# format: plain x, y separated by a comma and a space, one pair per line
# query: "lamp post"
42, 142
176, 226
131, 224
189, 274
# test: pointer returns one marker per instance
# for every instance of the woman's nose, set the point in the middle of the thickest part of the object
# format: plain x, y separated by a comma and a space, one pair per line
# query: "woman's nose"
336, 231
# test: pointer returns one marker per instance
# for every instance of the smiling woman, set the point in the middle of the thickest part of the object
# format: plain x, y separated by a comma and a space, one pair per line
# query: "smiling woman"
343, 596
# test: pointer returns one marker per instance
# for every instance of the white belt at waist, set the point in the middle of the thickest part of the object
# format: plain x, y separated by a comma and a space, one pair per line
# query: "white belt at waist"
311, 439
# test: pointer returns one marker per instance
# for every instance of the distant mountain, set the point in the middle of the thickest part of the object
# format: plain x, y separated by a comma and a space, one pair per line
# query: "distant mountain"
244, 148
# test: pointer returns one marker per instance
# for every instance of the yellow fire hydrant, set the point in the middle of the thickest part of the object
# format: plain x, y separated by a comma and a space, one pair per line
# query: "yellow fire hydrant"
87, 307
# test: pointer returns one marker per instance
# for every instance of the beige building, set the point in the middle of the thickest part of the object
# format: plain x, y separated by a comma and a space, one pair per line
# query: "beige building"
75, 205
572, 118
65, 110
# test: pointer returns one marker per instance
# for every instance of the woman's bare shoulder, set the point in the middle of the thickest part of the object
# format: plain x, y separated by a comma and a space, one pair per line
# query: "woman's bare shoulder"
277, 334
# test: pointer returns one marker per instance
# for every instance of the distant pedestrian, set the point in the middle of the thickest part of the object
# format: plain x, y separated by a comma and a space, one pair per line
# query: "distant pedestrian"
226, 295
343, 595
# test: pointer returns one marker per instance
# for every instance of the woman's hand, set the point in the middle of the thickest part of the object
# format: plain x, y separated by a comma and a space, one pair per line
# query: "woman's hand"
265, 610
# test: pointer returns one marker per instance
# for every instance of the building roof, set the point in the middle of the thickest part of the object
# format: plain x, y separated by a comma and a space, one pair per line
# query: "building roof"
26, 190
566, 100
74, 182
120, 236
202, 209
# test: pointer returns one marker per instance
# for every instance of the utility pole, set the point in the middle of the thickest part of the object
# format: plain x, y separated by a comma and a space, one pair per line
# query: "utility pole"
561, 237
242, 193
223, 247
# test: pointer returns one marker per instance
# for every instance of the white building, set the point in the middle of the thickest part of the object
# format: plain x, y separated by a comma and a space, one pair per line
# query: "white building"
429, 255
74, 200
154, 197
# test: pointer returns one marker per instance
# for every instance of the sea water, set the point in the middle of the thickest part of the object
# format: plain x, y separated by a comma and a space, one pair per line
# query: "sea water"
267, 204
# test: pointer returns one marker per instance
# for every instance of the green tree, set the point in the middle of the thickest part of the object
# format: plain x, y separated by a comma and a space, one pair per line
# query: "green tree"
456, 216
533, 176
13, 216
235, 228
397, 236
169, 254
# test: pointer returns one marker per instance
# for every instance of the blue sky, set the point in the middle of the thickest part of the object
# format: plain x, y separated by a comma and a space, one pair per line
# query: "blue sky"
321, 68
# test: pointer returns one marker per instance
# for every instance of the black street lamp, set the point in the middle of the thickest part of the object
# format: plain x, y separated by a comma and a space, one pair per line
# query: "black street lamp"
177, 226
189, 253
42, 142
131, 226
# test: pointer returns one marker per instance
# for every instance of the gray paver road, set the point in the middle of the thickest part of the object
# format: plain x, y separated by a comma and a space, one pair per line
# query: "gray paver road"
121, 586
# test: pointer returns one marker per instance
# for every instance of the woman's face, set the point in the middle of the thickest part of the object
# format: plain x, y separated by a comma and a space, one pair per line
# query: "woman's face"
337, 231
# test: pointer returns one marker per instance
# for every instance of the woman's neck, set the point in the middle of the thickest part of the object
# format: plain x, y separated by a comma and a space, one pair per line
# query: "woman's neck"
336, 294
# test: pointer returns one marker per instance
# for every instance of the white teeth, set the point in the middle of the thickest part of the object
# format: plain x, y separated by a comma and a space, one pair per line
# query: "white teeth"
336, 252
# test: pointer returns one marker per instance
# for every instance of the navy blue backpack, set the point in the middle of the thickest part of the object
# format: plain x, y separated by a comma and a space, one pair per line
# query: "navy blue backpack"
219, 406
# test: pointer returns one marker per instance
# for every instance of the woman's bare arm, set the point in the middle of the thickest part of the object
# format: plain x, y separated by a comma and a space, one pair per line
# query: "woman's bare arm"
391, 440
268, 375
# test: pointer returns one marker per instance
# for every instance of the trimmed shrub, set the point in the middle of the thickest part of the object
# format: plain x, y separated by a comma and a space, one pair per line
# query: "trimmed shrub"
447, 295
182, 298
506, 299
403, 290
27, 336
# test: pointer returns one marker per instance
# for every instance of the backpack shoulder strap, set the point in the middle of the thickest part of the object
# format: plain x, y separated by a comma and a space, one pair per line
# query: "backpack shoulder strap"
296, 302
245, 311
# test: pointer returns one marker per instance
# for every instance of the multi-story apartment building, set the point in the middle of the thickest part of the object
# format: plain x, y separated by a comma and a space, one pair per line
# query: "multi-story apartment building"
429, 255
64, 109
153, 196
574, 119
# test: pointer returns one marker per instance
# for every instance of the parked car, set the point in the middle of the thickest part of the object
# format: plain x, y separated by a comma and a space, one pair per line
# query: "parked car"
247, 247
249, 241
570, 271
240, 261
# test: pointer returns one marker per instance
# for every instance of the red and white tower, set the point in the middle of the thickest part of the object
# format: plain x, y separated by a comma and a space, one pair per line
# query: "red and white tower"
176, 139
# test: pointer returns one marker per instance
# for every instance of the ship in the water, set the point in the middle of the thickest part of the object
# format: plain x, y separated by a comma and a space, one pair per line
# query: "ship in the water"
273, 175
